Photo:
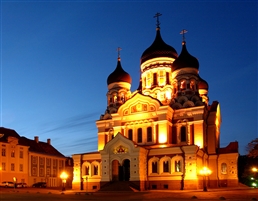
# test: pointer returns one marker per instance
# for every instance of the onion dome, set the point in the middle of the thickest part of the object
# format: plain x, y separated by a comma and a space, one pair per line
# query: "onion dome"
185, 60
119, 75
203, 84
158, 49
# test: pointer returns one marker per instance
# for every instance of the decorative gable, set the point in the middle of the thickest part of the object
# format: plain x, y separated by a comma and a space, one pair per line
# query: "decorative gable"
139, 103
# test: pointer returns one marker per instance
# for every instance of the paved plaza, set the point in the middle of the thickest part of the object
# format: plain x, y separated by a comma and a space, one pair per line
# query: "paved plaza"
32, 194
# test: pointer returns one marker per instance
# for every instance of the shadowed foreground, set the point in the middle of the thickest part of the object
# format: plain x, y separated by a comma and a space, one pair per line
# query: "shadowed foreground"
55, 195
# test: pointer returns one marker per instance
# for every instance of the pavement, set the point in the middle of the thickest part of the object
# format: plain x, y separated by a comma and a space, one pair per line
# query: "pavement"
32, 194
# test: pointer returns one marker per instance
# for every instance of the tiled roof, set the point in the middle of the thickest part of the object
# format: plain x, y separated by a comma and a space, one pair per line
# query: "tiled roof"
6, 132
40, 147
231, 148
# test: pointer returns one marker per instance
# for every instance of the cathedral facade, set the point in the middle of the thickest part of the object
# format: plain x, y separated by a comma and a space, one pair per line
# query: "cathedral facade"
161, 135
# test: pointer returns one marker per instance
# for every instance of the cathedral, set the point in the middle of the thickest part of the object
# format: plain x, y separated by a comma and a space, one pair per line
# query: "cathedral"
161, 135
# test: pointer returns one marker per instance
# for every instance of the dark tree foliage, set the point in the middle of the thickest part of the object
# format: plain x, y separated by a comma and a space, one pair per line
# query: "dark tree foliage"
252, 148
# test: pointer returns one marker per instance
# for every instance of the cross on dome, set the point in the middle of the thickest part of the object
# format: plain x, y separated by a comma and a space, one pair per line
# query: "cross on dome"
157, 15
183, 33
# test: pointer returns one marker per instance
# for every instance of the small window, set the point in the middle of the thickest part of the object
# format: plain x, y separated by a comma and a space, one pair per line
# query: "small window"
165, 166
165, 186
130, 134
177, 166
21, 167
87, 170
149, 134
139, 135
95, 170
3, 152
183, 134
12, 167
3, 166
154, 167
21, 154
154, 186
223, 168
13, 154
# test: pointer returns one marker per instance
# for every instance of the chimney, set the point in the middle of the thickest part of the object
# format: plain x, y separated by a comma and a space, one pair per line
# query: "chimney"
36, 138
49, 141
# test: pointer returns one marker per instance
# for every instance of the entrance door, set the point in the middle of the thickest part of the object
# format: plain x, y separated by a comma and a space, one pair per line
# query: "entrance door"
124, 171
115, 170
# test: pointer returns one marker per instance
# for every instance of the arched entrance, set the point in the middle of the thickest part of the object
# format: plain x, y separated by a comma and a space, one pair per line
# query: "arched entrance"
121, 172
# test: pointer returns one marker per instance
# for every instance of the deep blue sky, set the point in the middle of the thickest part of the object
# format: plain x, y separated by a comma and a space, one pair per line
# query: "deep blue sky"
56, 57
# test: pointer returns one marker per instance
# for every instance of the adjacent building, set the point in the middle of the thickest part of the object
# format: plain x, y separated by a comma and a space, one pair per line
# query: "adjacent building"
161, 135
29, 161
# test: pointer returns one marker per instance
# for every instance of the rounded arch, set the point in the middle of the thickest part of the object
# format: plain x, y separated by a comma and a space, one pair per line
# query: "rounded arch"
86, 169
153, 166
165, 165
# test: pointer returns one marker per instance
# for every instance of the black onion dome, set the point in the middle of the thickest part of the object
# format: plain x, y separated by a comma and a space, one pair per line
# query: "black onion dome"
158, 49
119, 75
203, 84
185, 60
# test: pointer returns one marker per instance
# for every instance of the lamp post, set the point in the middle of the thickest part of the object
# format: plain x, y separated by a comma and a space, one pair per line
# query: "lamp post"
63, 176
14, 182
205, 172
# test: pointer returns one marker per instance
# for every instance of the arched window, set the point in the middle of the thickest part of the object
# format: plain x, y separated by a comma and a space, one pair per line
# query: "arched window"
139, 135
130, 134
165, 166
95, 170
167, 78
223, 168
177, 166
155, 79
87, 170
154, 167
149, 134
183, 85
192, 85
183, 134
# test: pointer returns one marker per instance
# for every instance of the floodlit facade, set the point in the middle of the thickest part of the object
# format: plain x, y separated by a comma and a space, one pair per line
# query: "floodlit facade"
161, 135
29, 161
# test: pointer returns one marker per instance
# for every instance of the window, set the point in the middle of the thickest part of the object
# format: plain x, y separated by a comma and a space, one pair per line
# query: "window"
183, 134
12, 167
12, 153
139, 133
3, 152
165, 166
183, 85
177, 166
41, 172
60, 163
34, 159
154, 167
130, 134
192, 85
34, 171
21, 167
41, 161
167, 78
154, 79
149, 134
48, 162
21, 154
95, 172
48, 171
223, 168
3, 166
87, 170
162, 78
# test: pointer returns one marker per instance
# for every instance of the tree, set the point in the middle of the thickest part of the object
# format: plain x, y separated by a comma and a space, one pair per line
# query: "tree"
252, 148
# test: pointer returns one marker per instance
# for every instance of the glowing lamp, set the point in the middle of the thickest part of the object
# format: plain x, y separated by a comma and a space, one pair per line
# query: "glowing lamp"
205, 172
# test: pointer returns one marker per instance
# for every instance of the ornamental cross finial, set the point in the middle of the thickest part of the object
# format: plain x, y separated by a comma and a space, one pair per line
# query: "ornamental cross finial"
118, 51
183, 33
157, 16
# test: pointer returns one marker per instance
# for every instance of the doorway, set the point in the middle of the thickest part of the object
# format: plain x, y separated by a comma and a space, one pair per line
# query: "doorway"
121, 172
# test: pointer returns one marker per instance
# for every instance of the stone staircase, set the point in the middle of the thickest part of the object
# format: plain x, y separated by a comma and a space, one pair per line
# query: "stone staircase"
117, 186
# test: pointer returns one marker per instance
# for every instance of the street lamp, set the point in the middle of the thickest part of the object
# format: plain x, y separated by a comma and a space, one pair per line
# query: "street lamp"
205, 172
63, 176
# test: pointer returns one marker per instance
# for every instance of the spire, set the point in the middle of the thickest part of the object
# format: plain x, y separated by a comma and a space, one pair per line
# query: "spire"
157, 15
